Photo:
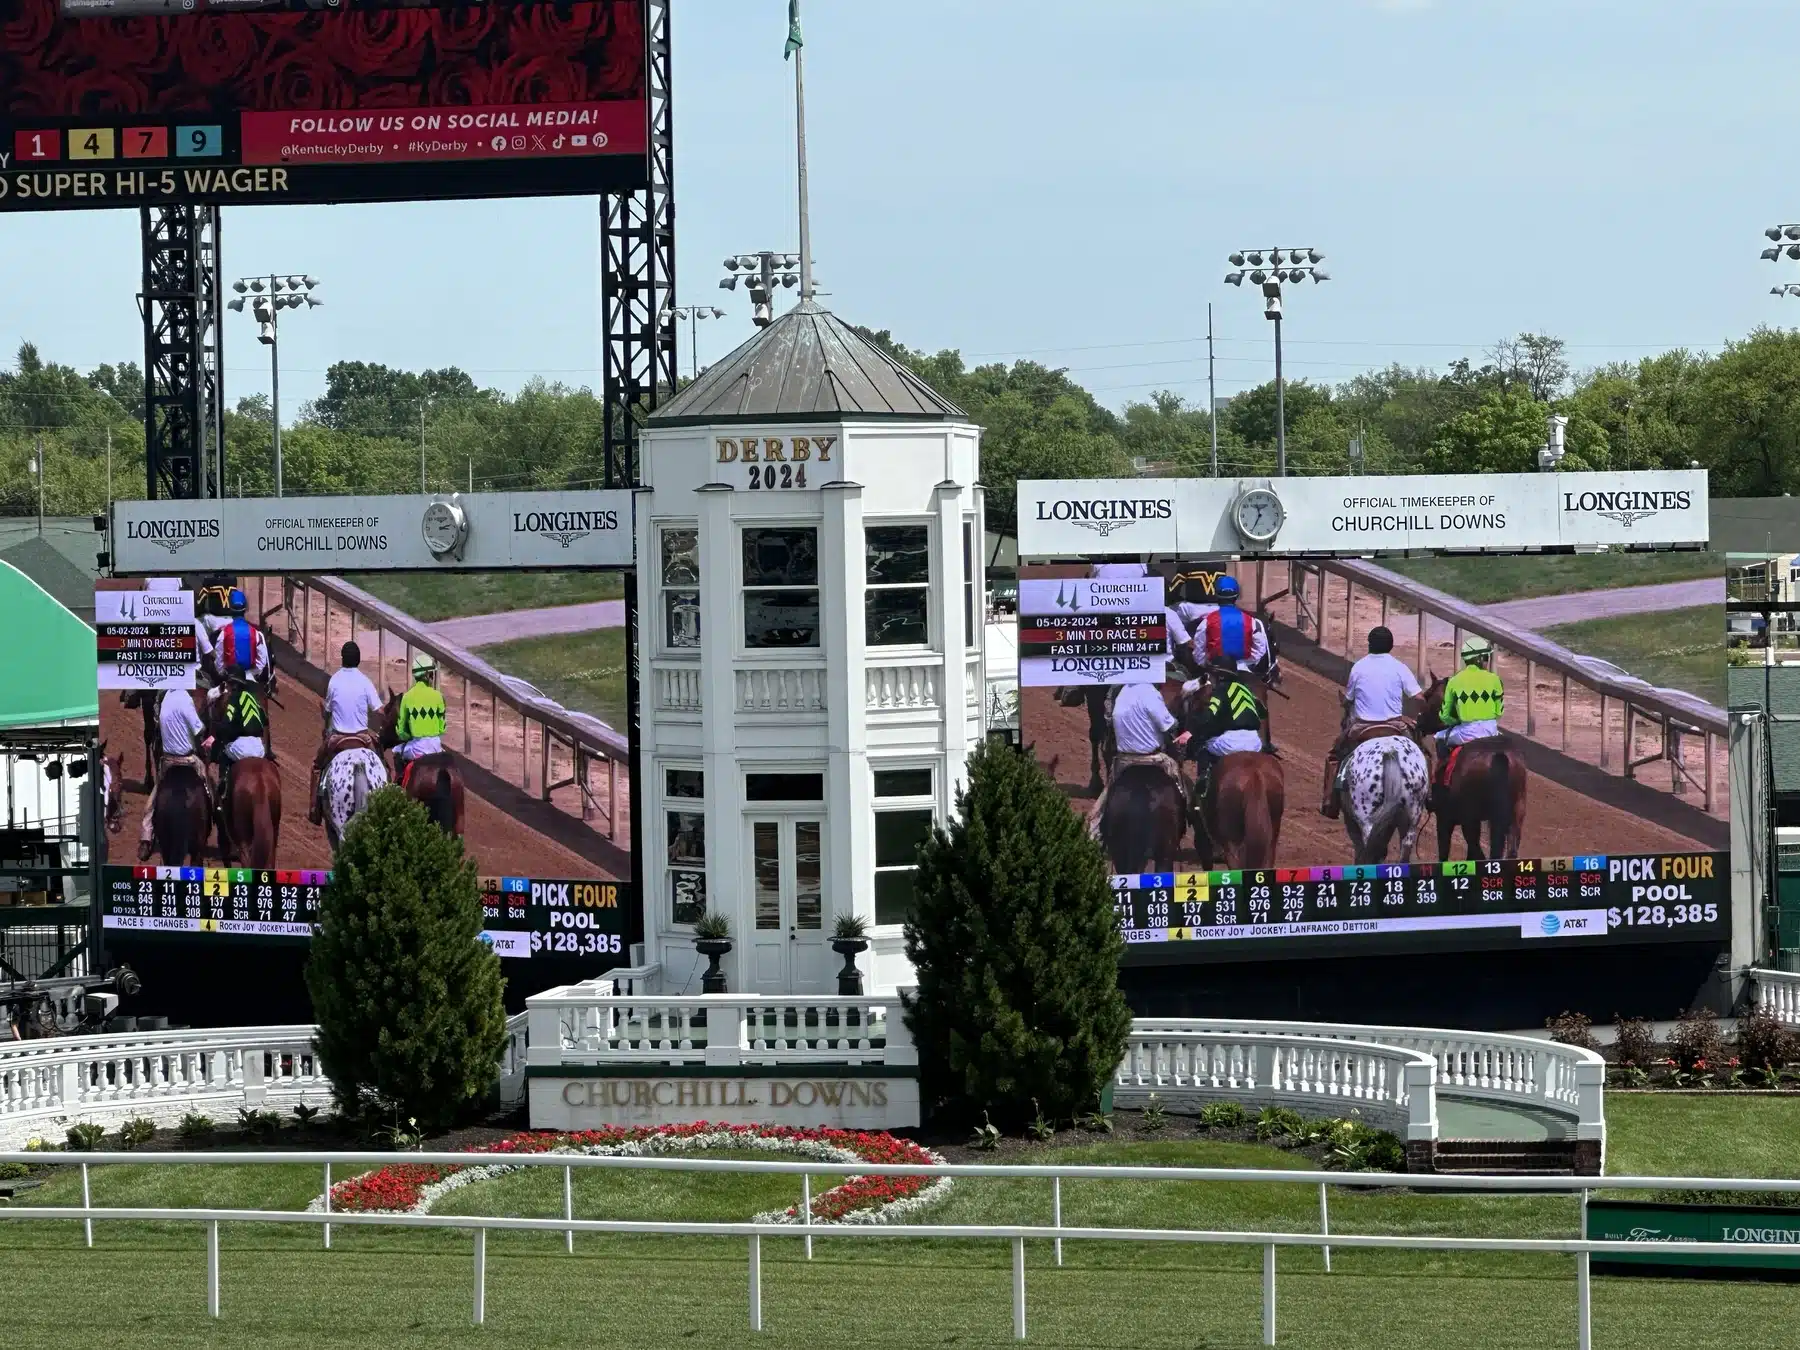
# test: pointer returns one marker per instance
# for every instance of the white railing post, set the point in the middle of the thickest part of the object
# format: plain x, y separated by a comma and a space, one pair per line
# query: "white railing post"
900, 1047
806, 1210
480, 1276
756, 1283
1056, 1212
1018, 1288
212, 1269
87, 1202
1325, 1224
1269, 1294
1584, 1300
569, 1206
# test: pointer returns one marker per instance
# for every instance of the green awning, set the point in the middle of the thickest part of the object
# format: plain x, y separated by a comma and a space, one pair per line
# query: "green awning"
49, 675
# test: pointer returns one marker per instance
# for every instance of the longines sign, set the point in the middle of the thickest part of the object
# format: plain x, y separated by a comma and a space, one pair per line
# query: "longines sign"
1189, 516
825, 1097
321, 534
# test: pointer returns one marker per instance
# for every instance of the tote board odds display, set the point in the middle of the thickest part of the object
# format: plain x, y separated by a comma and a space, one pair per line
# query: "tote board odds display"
1119, 691
535, 782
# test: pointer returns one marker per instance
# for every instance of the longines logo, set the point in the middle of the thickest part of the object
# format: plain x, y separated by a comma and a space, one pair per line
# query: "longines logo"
1109, 514
1626, 507
565, 527
173, 535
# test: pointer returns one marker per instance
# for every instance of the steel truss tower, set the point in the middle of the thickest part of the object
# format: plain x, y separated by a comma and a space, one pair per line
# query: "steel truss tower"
184, 412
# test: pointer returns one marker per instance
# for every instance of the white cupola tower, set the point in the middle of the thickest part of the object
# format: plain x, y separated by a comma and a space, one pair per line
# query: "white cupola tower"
811, 605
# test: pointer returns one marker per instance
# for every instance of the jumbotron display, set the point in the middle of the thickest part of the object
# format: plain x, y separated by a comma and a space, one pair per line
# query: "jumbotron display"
249, 720
107, 103
1322, 757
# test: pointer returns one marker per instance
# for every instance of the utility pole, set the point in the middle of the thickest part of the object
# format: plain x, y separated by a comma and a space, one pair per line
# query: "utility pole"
421, 447
797, 49
1212, 393
109, 472
1274, 312
37, 467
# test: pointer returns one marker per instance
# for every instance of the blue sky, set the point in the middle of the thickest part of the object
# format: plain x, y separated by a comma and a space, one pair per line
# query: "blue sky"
1063, 180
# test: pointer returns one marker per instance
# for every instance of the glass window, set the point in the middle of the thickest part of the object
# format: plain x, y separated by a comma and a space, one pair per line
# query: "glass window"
897, 612
809, 871
687, 849
765, 852
903, 783
781, 587
784, 787
681, 589
969, 583
898, 835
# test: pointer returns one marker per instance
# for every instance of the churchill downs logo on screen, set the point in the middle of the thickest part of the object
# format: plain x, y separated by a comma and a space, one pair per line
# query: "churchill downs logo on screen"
173, 535
1107, 515
1626, 507
565, 527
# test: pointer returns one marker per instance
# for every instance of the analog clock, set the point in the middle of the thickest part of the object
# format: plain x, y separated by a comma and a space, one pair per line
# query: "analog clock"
446, 528
1258, 515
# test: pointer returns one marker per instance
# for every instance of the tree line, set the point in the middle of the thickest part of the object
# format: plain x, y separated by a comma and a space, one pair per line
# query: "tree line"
1735, 413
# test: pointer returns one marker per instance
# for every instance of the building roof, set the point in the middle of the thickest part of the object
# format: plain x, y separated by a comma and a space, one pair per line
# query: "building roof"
809, 365
52, 677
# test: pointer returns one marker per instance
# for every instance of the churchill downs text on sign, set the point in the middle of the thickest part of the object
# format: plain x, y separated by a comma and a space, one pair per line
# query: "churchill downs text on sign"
830, 1096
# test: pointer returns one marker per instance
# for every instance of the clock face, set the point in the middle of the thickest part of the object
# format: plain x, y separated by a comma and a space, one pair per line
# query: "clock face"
1259, 515
442, 527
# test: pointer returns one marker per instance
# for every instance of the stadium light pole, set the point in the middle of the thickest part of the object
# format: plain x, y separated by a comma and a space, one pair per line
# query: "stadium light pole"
268, 296
1282, 266
1785, 239
762, 273
693, 314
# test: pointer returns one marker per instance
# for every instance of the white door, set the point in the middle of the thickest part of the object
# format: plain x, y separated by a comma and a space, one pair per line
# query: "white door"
788, 954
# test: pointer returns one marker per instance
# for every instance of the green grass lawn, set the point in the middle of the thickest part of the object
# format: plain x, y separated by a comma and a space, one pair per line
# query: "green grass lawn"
408, 1291
583, 671
430, 596
1487, 581
1677, 648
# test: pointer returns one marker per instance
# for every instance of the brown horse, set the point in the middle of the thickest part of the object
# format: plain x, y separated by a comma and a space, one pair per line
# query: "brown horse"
252, 816
1242, 815
182, 820
1487, 787
432, 780
1144, 819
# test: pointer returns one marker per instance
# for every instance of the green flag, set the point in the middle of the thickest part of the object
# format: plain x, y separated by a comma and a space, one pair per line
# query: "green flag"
794, 42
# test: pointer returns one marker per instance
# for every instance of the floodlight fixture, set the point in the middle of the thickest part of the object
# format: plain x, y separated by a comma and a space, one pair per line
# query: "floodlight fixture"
1236, 260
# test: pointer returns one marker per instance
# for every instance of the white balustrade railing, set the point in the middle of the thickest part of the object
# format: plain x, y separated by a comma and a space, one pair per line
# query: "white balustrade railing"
776, 689
678, 688
1563, 1081
913, 685
1779, 992
1383, 1084
48, 1085
588, 1024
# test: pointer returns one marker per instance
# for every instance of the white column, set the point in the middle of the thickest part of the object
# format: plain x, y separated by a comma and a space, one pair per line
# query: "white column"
850, 825
719, 638
947, 599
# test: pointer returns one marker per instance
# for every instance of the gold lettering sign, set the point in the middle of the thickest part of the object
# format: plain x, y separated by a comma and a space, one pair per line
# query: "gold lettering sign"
727, 450
647, 1095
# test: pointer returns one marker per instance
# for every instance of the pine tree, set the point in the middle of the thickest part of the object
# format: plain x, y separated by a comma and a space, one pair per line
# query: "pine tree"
408, 999
1016, 952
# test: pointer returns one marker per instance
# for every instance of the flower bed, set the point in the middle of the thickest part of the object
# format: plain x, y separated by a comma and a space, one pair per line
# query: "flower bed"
413, 1188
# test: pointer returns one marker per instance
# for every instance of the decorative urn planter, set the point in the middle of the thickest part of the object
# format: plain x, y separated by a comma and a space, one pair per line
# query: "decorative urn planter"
850, 978
713, 981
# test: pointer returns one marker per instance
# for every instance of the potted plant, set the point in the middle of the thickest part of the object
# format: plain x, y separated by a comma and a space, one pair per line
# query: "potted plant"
712, 939
850, 939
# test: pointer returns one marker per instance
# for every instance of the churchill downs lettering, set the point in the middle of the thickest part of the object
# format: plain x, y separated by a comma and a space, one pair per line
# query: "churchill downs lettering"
648, 1093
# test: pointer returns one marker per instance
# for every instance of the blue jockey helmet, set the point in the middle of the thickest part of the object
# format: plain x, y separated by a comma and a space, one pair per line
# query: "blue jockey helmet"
237, 603
1226, 588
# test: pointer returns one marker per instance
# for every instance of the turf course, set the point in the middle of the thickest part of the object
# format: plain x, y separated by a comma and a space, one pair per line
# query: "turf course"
401, 1290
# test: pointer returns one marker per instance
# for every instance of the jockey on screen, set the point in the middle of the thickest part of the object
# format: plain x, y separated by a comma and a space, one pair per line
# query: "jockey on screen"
1474, 701
1144, 730
183, 740
1234, 722
239, 649
1230, 635
419, 726
350, 701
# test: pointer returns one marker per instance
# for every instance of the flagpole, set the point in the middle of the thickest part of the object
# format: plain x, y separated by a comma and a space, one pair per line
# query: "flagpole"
806, 281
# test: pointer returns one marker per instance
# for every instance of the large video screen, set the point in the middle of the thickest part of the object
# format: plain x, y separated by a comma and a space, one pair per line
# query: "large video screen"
506, 722
146, 102
1586, 802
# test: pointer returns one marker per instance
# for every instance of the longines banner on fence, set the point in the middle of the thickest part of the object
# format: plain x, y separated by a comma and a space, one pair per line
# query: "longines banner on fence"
325, 534
1278, 516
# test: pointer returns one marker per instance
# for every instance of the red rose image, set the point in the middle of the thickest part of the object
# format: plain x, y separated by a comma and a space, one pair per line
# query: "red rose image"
459, 83
214, 53
26, 26
377, 42
299, 81
466, 27
127, 42
535, 30
103, 92
539, 79
388, 96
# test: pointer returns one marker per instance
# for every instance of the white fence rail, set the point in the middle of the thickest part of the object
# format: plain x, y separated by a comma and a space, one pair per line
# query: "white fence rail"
1386, 1085
1779, 992
1563, 1081
1058, 1233
591, 1024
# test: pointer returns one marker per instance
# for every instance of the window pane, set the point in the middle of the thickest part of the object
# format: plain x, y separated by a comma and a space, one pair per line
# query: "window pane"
684, 783
781, 618
894, 896
903, 782
687, 837
898, 553
788, 557
898, 835
681, 620
809, 895
687, 896
680, 557
784, 787
897, 618
766, 857
968, 583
